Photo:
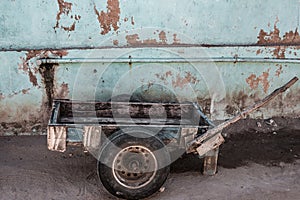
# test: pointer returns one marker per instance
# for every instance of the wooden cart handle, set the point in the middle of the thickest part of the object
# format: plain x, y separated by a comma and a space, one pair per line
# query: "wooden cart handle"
212, 132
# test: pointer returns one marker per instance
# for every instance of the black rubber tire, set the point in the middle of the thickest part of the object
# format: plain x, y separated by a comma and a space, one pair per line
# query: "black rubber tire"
122, 141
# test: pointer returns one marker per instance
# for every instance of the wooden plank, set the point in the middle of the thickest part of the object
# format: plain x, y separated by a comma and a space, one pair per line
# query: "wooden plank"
210, 144
57, 138
108, 120
105, 109
92, 139
211, 162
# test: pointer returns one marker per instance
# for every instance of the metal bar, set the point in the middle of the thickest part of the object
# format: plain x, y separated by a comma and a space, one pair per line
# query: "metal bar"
55, 112
162, 60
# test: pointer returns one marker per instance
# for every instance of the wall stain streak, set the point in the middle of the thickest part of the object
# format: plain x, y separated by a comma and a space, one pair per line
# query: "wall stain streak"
63, 91
254, 81
2, 96
29, 67
181, 82
110, 18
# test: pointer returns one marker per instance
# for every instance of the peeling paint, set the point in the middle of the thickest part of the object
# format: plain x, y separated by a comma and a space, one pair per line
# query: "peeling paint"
254, 81
65, 8
273, 38
110, 18
181, 82
175, 39
164, 76
30, 69
25, 91
132, 21
32, 78
134, 40
278, 71
71, 28
163, 37
116, 42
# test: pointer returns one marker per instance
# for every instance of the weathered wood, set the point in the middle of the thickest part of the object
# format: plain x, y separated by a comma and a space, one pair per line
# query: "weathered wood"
212, 143
57, 138
211, 132
92, 139
186, 135
123, 109
108, 120
211, 162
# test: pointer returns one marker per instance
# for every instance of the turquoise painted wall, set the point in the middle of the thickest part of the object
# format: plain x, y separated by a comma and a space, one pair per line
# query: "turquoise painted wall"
225, 54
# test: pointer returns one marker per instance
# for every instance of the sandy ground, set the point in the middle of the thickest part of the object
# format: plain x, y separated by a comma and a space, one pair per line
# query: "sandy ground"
251, 166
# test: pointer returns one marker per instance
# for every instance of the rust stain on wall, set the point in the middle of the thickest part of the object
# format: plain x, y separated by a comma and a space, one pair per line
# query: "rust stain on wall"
254, 81
183, 81
116, 42
25, 91
164, 76
65, 8
278, 71
132, 21
70, 28
175, 39
134, 40
110, 18
273, 38
30, 69
163, 37
32, 78
63, 91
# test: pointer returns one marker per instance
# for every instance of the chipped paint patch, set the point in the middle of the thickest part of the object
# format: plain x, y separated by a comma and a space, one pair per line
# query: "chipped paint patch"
278, 71
65, 8
132, 21
116, 42
175, 39
163, 37
181, 82
134, 40
110, 18
164, 76
26, 91
273, 38
254, 81
32, 78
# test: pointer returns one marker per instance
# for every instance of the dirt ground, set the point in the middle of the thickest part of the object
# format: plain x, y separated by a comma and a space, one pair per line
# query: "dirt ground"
254, 164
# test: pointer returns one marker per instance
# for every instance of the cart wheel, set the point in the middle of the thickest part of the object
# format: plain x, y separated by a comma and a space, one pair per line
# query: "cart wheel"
133, 166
